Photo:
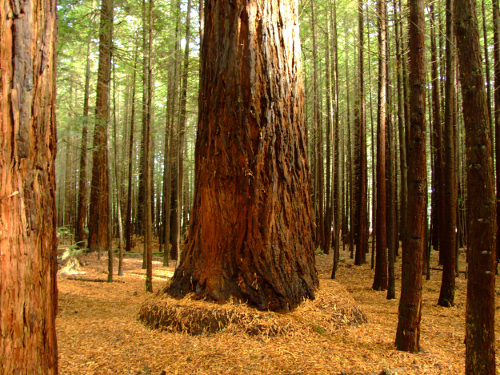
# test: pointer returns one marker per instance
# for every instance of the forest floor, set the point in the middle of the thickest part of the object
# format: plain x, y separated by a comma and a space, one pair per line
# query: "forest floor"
99, 331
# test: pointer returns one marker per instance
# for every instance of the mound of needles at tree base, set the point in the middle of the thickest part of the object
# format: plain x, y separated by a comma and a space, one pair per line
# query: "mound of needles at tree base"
332, 310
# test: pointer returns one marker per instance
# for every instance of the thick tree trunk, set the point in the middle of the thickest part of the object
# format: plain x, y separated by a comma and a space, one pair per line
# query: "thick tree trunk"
28, 244
99, 211
380, 280
410, 305
251, 230
480, 310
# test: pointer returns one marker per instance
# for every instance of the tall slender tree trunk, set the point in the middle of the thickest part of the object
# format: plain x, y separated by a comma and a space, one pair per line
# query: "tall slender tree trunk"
392, 235
148, 249
318, 143
141, 197
401, 120
448, 234
99, 209
361, 175
128, 220
410, 305
496, 96
438, 182
82, 180
182, 135
337, 207
330, 141
251, 230
174, 149
374, 166
487, 66
117, 181
350, 211
28, 243
480, 309
380, 280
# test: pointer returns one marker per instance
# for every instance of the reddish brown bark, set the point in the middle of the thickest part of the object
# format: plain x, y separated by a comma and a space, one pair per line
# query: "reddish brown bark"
410, 305
496, 96
380, 280
28, 244
480, 309
99, 210
251, 231
448, 222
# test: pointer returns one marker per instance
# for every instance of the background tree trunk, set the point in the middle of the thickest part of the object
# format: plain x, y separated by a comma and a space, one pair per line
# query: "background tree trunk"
99, 211
496, 96
148, 187
128, 220
360, 163
251, 232
447, 230
81, 218
28, 243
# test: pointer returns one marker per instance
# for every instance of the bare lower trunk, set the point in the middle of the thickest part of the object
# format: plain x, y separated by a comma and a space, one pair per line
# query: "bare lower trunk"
251, 234
28, 243
480, 309
410, 305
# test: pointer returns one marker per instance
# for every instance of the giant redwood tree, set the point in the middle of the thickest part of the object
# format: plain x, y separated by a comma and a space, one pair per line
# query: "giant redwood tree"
28, 245
251, 231
410, 305
480, 309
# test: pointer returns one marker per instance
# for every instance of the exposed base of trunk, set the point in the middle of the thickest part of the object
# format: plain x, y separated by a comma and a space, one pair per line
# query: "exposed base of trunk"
261, 293
197, 317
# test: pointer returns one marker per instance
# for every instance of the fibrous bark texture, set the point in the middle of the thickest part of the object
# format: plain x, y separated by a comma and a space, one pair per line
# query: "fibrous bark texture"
480, 310
410, 305
28, 292
251, 234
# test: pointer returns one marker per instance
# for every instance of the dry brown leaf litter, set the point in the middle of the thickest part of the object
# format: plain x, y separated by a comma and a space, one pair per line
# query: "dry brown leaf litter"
99, 331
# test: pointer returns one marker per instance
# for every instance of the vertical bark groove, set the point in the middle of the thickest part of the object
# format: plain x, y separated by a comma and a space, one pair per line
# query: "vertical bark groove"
28, 244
